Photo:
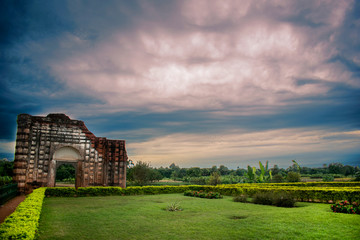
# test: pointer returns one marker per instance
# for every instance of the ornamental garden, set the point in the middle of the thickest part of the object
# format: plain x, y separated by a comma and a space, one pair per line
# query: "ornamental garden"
325, 210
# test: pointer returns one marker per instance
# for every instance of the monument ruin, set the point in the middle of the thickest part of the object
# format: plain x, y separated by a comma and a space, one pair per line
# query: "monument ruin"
45, 143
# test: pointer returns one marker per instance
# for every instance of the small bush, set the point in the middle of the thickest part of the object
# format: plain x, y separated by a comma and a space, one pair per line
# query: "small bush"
284, 200
346, 207
174, 207
276, 199
265, 198
240, 198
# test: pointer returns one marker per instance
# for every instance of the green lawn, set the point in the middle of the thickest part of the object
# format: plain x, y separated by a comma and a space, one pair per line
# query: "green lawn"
144, 217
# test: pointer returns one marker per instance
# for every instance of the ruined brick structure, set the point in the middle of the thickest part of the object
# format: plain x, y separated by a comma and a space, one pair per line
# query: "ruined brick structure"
45, 143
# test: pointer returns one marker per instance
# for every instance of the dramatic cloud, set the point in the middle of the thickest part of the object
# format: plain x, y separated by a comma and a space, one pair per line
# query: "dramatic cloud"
168, 75
256, 60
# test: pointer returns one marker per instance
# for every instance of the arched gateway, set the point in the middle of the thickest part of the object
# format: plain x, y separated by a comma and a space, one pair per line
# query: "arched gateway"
65, 155
44, 143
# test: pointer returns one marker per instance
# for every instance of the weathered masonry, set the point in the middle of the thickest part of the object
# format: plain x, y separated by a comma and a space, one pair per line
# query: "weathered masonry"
45, 143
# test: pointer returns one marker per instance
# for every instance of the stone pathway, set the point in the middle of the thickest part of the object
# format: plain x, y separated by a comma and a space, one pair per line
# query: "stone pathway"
10, 206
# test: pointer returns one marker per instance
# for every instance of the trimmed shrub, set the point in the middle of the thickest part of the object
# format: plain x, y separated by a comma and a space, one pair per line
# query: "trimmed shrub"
24, 222
280, 199
202, 194
265, 198
326, 191
284, 200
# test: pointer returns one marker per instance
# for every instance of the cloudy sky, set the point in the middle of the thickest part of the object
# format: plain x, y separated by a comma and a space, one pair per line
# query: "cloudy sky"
198, 83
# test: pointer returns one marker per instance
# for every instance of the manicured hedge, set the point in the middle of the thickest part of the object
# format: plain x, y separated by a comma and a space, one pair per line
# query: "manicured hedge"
107, 191
323, 194
24, 222
202, 194
301, 184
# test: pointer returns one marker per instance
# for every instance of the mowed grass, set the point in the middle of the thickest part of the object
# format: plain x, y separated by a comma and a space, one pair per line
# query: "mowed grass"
144, 217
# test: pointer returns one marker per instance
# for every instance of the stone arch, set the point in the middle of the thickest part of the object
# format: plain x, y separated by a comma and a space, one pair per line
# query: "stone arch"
66, 154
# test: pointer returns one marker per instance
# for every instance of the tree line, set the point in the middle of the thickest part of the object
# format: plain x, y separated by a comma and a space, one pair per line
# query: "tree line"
142, 173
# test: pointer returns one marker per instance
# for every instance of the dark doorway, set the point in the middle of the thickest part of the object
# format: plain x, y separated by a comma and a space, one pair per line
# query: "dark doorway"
65, 175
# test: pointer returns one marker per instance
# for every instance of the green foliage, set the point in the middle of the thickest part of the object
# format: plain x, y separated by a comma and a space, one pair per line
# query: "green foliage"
196, 175
24, 222
346, 207
278, 178
284, 199
6, 167
293, 177
328, 178
251, 174
265, 173
357, 176
264, 176
141, 174
297, 166
5, 180
193, 172
281, 199
108, 191
65, 171
214, 178
69, 180
202, 194
223, 170
8, 192
196, 180
174, 207
241, 198
264, 198
231, 179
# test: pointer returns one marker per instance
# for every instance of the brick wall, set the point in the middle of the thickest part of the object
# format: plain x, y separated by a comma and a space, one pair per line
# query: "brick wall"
100, 162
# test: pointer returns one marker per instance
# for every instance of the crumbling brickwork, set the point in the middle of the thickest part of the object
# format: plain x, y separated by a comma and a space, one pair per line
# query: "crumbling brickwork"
44, 143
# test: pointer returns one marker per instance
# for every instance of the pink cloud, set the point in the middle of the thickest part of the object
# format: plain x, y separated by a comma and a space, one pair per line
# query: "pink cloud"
249, 62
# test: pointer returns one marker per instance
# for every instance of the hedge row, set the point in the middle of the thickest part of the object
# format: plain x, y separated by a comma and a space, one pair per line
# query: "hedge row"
303, 184
24, 222
107, 191
300, 193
